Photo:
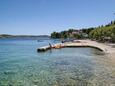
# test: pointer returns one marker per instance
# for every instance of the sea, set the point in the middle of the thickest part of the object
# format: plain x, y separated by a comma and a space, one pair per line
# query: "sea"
22, 65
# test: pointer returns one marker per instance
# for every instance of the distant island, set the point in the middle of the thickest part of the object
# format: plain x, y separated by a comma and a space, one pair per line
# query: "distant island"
22, 36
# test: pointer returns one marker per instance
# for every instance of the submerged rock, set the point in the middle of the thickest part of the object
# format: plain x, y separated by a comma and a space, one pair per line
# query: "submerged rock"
62, 63
8, 72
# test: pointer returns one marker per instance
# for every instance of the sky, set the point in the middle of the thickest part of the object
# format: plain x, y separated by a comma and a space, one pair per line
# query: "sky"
41, 17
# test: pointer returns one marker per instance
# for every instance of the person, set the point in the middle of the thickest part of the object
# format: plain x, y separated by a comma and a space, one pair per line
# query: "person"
105, 50
62, 41
50, 45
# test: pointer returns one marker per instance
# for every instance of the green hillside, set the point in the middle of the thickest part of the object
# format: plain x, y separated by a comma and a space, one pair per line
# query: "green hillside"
104, 33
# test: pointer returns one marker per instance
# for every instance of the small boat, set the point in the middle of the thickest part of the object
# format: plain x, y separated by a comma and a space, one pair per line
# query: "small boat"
39, 40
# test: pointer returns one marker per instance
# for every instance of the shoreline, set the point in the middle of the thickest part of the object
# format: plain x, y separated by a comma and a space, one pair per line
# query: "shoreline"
106, 48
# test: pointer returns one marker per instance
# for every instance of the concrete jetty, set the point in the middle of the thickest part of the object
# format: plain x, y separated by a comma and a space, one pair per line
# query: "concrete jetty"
42, 49
107, 48
55, 46
80, 43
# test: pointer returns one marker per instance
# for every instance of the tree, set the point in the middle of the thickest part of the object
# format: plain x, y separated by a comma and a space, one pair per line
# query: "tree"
55, 35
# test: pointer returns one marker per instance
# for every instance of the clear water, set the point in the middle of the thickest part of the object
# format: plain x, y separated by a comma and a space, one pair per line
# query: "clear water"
21, 65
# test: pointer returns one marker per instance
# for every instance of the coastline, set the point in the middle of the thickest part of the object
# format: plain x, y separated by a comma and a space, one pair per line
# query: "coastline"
106, 48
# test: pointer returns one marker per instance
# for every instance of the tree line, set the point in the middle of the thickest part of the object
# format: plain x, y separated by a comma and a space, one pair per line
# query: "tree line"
104, 33
72, 33
101, 33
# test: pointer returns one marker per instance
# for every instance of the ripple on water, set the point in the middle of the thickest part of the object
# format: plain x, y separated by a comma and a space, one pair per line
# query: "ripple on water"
59, 67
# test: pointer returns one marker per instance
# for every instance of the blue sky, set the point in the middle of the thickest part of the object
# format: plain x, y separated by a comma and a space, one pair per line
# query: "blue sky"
37, 17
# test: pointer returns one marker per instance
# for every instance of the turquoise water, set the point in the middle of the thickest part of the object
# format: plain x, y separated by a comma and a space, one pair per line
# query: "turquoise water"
21, 65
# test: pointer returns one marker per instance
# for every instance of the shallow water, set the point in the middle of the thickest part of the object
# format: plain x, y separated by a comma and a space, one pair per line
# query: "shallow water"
21, 65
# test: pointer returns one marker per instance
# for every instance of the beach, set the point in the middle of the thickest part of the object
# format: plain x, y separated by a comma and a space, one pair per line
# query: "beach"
105, 47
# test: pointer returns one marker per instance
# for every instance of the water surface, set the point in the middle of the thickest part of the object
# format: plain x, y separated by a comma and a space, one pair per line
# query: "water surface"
21, 65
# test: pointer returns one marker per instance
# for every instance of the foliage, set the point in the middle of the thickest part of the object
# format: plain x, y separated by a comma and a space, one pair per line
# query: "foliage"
102, 33
71, 33
105, 33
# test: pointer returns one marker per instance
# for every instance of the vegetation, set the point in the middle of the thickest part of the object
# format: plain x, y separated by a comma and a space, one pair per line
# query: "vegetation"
103, 33
21, 36
5, 36
72, 33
